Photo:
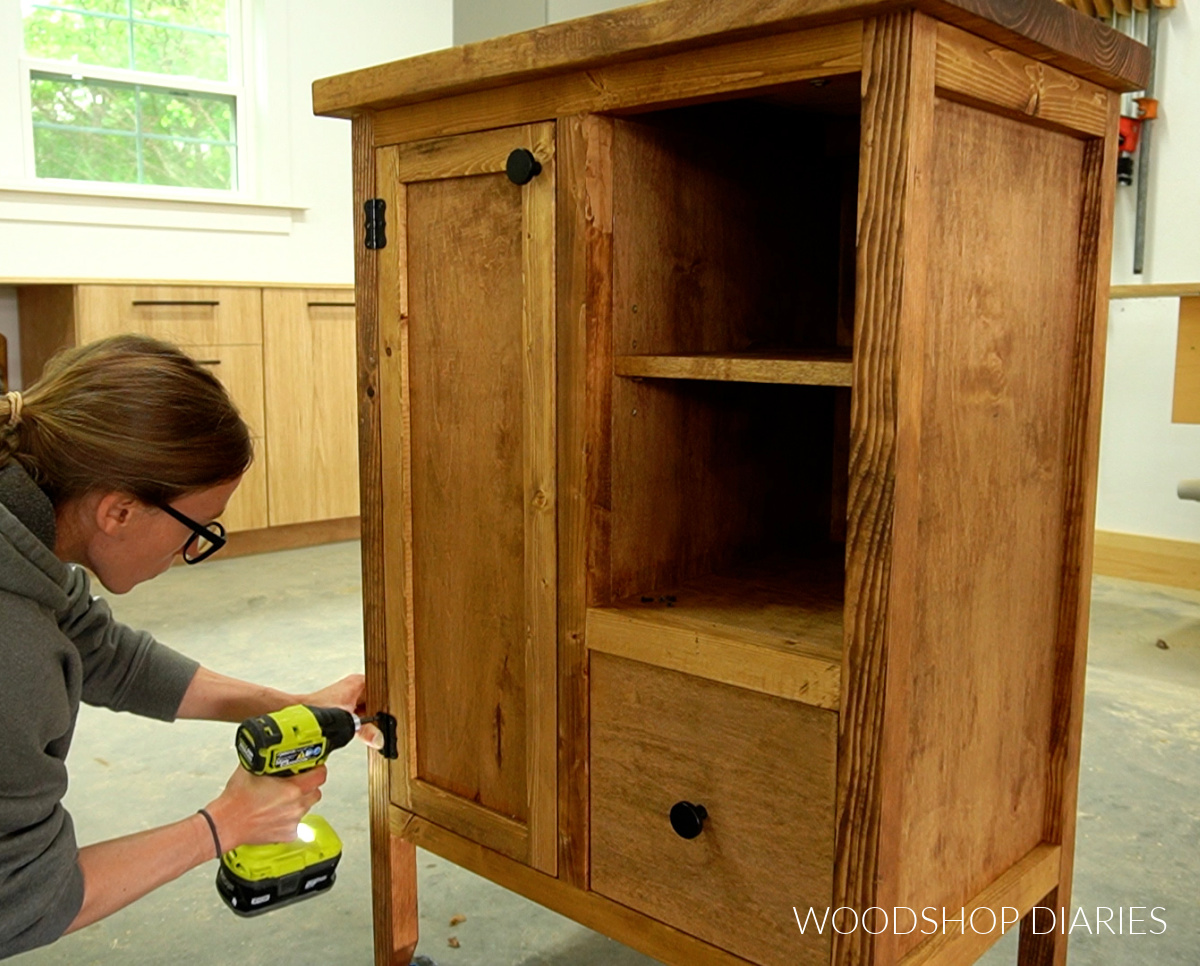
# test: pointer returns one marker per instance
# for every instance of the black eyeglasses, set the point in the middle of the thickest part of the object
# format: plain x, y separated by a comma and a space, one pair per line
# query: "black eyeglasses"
204, 541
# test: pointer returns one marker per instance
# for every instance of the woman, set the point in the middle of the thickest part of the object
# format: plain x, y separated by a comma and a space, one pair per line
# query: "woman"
117, 461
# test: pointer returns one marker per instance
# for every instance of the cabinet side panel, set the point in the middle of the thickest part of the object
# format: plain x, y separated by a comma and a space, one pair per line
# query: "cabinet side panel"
986, 567
468, 489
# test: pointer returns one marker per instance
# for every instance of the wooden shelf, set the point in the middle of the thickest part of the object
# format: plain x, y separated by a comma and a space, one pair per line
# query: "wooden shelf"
813, 368
775, 628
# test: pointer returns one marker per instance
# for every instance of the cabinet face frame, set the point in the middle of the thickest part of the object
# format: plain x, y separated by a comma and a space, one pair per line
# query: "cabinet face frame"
533, 841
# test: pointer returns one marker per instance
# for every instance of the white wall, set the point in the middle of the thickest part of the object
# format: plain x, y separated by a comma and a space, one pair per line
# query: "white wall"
1143, 455
304, 160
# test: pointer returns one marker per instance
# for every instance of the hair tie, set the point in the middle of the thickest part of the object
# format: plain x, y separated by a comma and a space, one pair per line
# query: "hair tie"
15, 404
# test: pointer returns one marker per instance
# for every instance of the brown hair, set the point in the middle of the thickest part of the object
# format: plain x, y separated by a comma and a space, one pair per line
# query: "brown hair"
127, 414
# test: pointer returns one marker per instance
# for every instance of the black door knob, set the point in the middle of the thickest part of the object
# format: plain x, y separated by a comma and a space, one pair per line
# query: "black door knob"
522, 167
687, 819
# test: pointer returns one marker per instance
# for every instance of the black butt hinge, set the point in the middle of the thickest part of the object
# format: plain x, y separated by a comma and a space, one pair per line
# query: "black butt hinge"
386, 724
375, 224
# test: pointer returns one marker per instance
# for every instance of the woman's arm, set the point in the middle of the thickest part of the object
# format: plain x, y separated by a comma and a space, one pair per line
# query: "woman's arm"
215, 697
251, 810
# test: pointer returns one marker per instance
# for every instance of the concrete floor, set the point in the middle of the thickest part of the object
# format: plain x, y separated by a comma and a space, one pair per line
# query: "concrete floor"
293, 619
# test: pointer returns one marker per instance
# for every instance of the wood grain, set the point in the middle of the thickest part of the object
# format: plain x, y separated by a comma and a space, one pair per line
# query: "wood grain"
592, 910
1010, 896
898, 67
393, 860
468, 489
584, 319
758, 65
1185, 406
985, 74
1045, 31
470, 393
659, 737
1094, 253
178, 314
773, 630
311, 403
802, 370
987, 557
1150, 291
47, 326
1132, 556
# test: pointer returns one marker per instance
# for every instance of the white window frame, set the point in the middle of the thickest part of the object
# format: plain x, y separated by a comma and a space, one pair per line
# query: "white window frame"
239, 86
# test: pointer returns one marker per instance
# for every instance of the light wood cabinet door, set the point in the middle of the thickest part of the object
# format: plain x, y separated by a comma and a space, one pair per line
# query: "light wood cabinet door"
467, 369
184, 315
311, 404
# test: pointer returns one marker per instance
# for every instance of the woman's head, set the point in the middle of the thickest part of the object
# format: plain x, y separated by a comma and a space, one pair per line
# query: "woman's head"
115, 430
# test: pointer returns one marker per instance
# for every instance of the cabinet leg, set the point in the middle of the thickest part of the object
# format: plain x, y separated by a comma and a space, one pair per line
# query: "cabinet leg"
403, 901
1047, 946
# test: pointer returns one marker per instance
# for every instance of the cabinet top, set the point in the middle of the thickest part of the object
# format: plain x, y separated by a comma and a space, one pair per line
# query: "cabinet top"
1042, 29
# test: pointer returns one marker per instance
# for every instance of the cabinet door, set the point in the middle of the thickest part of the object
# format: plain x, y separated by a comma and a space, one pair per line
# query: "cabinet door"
309, 365
466, 295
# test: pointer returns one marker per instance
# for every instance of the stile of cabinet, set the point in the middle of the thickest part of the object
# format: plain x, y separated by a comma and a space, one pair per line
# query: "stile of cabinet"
728, 487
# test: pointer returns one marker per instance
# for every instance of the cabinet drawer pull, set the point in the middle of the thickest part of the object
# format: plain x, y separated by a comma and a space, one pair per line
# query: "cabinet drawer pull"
522, 167
331, 305
687, 819
208, 362
209, 302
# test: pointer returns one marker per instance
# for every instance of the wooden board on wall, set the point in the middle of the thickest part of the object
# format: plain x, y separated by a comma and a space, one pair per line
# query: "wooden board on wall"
1186, 406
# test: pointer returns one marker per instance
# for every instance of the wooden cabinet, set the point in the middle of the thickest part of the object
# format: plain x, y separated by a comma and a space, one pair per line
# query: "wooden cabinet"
286, 356
728, 484
308, 349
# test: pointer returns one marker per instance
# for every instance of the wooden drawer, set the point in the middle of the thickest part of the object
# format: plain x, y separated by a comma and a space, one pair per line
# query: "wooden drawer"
205, 315
763, 768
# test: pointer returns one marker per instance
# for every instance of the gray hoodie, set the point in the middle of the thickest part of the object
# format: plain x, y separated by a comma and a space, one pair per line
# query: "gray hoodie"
58, 645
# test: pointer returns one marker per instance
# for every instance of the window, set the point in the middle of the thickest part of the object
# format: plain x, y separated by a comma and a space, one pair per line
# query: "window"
135, 91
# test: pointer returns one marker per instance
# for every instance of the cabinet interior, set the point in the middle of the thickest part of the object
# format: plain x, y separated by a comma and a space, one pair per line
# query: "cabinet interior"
733, 306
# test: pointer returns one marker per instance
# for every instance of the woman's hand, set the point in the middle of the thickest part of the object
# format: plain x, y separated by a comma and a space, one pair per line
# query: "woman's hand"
350, 694
263, 809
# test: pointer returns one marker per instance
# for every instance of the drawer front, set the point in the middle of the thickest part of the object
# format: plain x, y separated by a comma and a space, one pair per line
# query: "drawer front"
205, 315
762, 767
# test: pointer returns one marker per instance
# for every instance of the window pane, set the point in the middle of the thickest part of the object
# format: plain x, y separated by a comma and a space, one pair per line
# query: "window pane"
59, 35
179, 114
118, 7
85, 156
62, 101
209, 14
186, 139
188, 165
184, 53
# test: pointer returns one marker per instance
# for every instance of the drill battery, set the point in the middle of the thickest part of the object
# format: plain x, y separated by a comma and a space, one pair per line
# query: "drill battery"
256, 879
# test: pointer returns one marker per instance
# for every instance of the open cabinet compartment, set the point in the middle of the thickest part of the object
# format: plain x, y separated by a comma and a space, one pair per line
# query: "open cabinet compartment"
733, 301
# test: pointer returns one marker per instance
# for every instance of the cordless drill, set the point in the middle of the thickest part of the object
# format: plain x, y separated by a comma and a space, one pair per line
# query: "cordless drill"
254, 879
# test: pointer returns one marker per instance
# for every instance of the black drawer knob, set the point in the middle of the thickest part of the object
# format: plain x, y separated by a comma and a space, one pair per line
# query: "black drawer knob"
522, 167
687, 819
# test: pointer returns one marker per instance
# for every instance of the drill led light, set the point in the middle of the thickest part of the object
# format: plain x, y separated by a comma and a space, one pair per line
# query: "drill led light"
305, 833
